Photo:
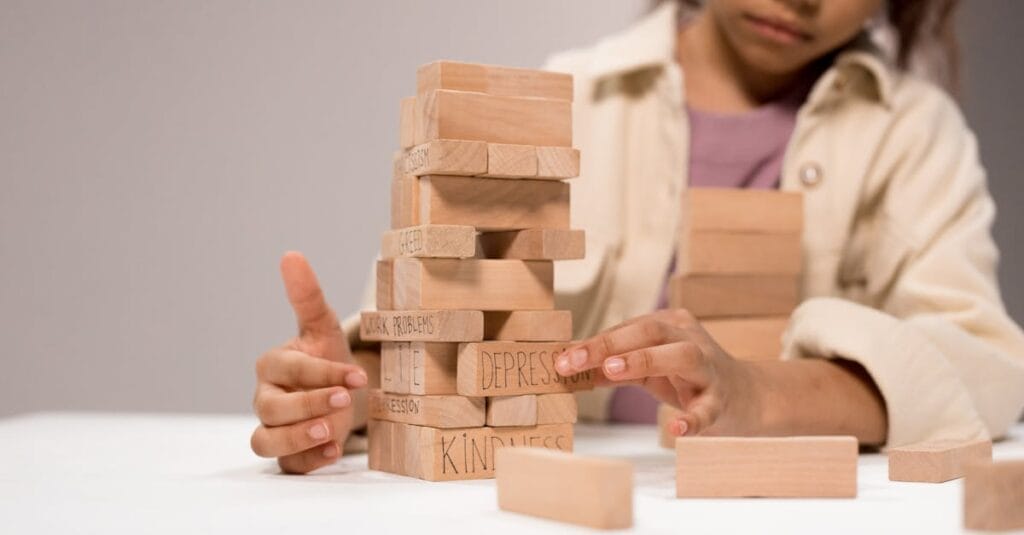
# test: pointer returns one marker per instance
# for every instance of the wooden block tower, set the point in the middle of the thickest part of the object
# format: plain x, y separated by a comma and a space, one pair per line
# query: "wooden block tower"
465, 287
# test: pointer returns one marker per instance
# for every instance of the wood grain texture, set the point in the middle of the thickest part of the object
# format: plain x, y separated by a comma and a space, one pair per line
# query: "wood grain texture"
492, 204
994, 495
936, 462
733, 253
493, 80
429, 241
514, 368
446, 157
511, 161
666, 414
421, 368
558, 162
786, 467
533, 244
742, 210
557, 408
407, 122
445, 114
422, 326
512, 411
405, 203
758, 338
434, 411
445, 284
718, 296
588, 491
385, 279
528, 326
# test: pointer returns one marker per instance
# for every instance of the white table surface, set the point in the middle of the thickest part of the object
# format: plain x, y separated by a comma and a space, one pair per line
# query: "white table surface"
144, 473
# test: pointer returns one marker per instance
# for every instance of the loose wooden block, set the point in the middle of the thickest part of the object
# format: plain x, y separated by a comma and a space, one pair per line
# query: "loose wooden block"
731, 253
758, 338
667, 414
429, 241
446, 157
421, 368
444, 114
422, 326
994, 495
405, 202
493, 80
445, 284
437, 454
528, 326
433, 411
407, 122
588, 491
511, 161
533, 244
556, 408
777, 467
558, 162
512, 411
492, 204
742, 210
936, 462
514, 368
716, 296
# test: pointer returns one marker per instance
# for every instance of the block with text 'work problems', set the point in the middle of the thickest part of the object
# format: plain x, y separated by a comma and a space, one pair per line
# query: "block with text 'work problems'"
994, 495
514, 368
936, 462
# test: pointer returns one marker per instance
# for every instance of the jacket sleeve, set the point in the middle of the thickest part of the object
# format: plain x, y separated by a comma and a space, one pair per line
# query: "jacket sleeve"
928, 324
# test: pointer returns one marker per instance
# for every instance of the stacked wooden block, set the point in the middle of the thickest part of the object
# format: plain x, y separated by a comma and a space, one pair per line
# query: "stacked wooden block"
465, 287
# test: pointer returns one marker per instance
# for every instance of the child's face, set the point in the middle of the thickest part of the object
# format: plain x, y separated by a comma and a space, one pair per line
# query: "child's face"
783, 36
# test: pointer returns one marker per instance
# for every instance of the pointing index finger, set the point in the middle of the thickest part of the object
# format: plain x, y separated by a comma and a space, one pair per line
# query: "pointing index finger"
305, 295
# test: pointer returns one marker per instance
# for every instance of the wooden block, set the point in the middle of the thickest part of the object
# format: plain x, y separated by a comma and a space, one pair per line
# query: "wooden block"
444, 114
446, 157
666, 414
511, 161
533, 244
513, 368
588, 491
453, 454
422, 326
558, 162
405, 202
429, 241
716, 296
385, 283
493, 80
433, 411
936, 462
731, 253
742, 210
492, 204
378, 438
777, 467
445, 284
556, 408
407, 123
421, 368
994, 495
749, 338
528, 326
512, 411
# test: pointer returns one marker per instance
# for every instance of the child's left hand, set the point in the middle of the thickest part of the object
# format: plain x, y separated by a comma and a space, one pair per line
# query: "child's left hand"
674, 358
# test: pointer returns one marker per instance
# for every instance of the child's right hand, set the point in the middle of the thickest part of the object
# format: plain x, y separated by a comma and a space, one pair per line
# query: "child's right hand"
301, 399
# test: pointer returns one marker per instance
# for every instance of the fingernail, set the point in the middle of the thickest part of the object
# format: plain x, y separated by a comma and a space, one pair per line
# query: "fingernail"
682, 427
578, 357
563, 365
340, 399
615, 366
318, 432
331, 450
355, 379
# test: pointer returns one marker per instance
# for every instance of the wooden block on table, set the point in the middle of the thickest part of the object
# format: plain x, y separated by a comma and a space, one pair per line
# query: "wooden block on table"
405, 202
557, 408
491, 204
473, 284
558, 162
994, 495
421, 326
493, 80
936, 462
742, 210
432, 411
528, 326
514, 368
588, 491
421, 368
716, 296
512, 411
445, 114
429, 241
758, 338
533, 244
666, 414
437, 454
511, 161
407, 122
446, 157
778, 467
732, 253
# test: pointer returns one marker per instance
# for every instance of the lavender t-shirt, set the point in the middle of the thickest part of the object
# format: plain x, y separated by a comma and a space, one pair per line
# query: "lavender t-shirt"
726, 151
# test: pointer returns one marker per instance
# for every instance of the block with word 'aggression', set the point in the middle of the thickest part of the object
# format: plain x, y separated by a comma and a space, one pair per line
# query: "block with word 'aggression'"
421, 368
474, 284
451, 454
506, 411
528, 326
588, 491
994, 495
728, 253
514, 368
494, 204
787, 467
758, 338
422, 326
431, 411
717, 296
533, 244
936, 462
493, 80
446, 114
742, 210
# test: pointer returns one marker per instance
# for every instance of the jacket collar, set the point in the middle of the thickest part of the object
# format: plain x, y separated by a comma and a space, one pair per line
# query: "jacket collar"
861, 68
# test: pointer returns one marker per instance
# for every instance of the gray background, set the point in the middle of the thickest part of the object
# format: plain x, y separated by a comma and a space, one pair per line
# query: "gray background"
156, 158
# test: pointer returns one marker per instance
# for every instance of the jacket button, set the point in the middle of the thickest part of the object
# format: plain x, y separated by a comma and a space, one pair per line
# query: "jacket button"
811, 174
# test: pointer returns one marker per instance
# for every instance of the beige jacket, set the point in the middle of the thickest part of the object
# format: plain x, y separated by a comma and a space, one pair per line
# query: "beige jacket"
899, 262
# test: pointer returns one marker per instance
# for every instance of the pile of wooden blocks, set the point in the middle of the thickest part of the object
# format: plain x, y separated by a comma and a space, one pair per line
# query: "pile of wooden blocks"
465, 287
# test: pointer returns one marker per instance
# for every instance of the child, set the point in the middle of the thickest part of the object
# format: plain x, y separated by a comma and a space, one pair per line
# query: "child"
901, 337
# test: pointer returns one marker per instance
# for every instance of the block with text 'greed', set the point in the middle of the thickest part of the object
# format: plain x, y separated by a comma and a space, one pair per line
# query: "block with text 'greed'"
449, 114
432, 411
493, 80
514, 368
429, 241
472, 284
